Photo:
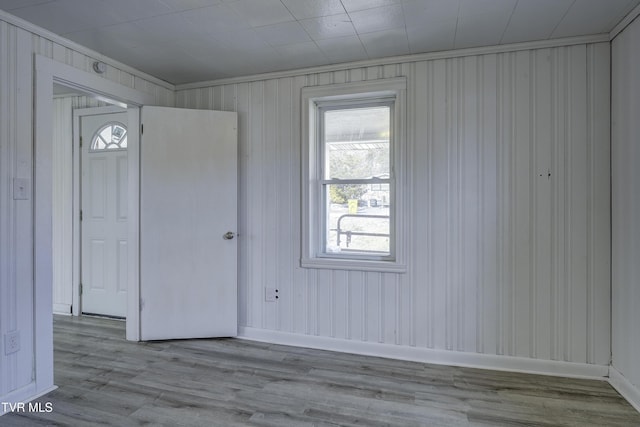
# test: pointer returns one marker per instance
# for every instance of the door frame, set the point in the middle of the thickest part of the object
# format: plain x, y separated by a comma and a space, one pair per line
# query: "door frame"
47, 72
78, 113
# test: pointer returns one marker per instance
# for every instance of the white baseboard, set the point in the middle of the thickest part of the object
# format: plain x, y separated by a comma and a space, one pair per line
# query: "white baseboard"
628, 390
425, 355
61, 308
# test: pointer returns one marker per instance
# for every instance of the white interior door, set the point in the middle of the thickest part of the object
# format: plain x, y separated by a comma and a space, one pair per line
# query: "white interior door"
104, 214
188, 217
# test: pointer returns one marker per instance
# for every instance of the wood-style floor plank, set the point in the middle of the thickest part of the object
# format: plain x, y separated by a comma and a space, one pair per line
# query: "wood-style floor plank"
105, 380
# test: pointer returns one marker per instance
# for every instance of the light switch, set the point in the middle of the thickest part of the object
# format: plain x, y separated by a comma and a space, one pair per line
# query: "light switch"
20, 189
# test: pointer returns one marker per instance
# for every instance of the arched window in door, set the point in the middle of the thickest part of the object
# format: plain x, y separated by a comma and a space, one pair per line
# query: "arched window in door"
112, 136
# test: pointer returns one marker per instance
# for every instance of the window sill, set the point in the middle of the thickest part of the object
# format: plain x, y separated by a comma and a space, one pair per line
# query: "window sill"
354, 265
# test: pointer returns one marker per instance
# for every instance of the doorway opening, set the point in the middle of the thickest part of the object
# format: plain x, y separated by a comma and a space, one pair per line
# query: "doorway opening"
90, 205
190, 194
52, 79
101, 139
90, 172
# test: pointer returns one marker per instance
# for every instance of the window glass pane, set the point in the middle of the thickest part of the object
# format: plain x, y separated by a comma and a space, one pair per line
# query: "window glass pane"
110, 137
358, 219
356, 142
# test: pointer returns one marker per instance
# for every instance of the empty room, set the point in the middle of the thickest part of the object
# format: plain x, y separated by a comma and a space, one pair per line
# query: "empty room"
412, 213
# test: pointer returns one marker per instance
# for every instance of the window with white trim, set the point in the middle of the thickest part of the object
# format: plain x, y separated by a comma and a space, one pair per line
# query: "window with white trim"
353, 156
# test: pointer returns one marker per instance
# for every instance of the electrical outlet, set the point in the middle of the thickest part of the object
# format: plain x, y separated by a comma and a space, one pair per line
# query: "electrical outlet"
270, 294
11, 342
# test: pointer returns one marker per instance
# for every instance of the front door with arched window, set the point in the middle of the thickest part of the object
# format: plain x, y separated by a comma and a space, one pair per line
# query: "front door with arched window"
104, 214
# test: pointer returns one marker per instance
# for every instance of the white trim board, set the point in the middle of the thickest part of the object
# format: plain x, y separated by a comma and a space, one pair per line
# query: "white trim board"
34, 29
629, 391
631, 16
63, 309
417, 57
87, 83
425, 355
568, 41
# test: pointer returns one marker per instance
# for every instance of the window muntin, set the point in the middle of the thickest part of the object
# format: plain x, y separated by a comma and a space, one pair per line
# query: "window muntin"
355, 140
112, 136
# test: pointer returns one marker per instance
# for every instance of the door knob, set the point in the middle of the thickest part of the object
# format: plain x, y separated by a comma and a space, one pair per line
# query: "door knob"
228, 235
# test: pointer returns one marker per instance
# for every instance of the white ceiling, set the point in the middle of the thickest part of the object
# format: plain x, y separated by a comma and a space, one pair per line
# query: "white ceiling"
184, 41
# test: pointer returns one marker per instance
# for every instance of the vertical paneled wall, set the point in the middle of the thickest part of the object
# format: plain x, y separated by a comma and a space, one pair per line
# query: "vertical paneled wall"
625, 145
17, 49
508, 209
16, 217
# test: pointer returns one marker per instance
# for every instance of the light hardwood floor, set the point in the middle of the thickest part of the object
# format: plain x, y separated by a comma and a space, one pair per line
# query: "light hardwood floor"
105, 380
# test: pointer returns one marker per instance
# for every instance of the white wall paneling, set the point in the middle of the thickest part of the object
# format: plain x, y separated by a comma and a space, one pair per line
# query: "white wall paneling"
18, 273
625, 212
508, 188
15, 215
